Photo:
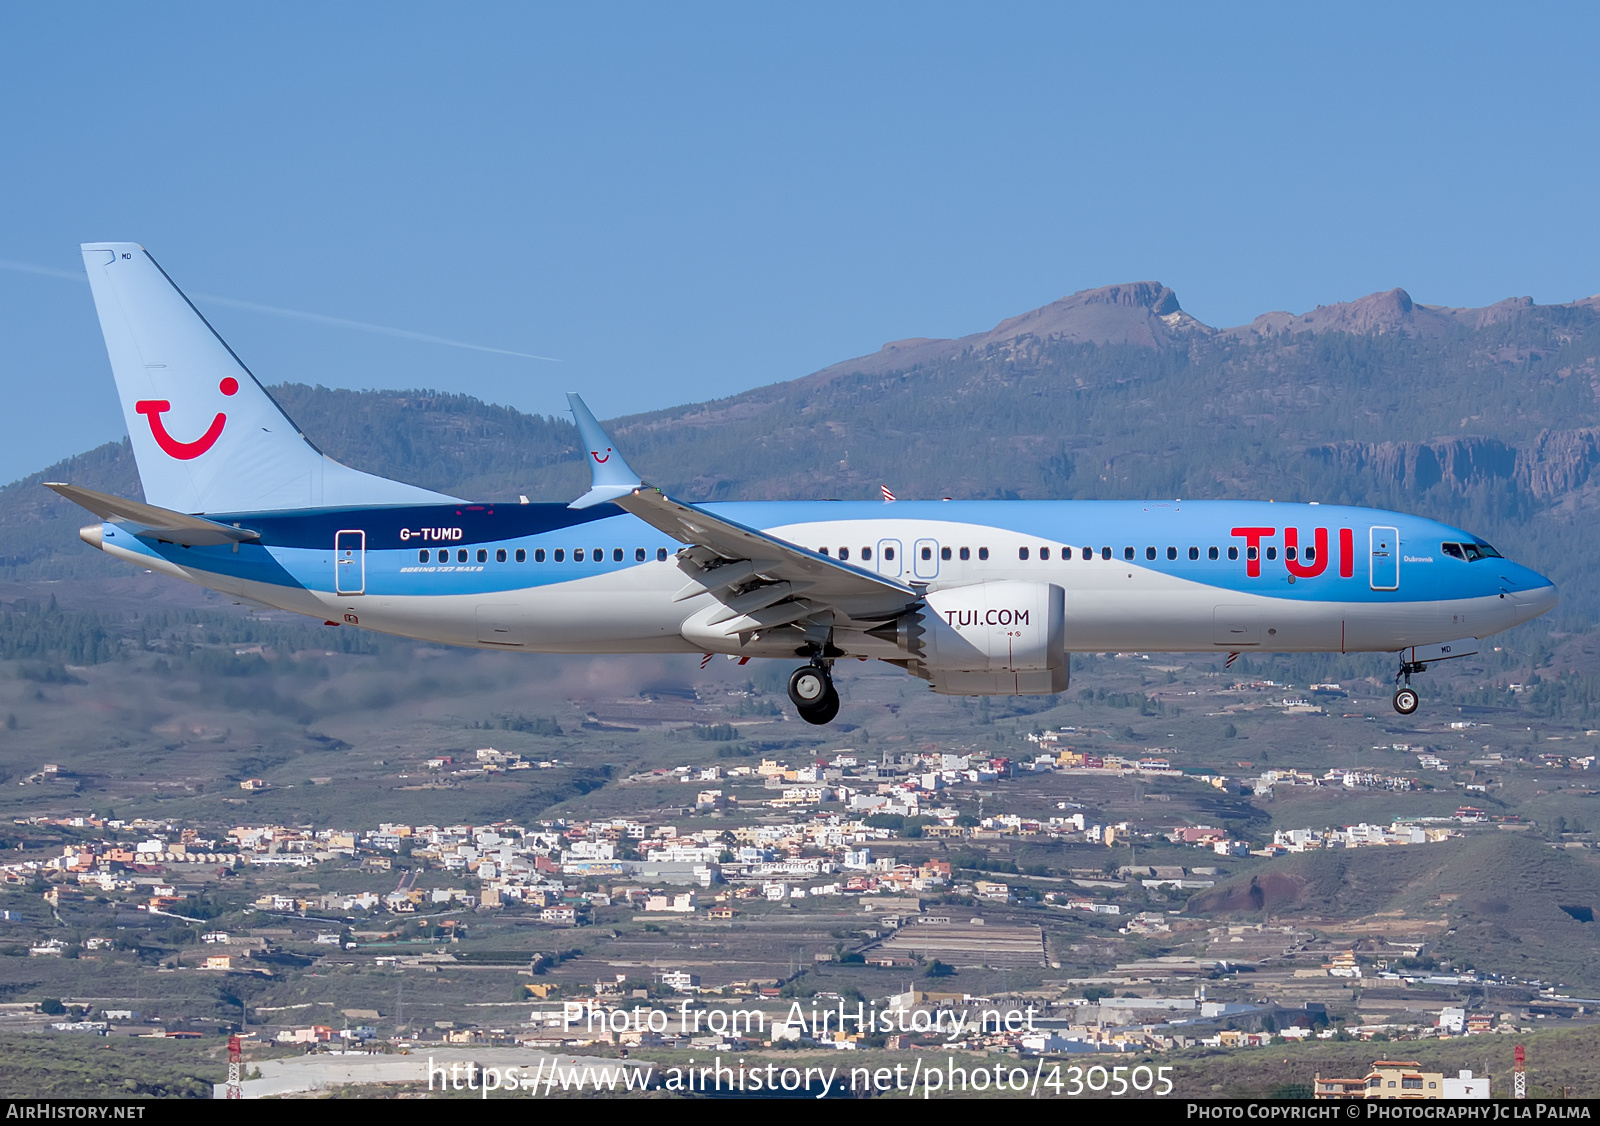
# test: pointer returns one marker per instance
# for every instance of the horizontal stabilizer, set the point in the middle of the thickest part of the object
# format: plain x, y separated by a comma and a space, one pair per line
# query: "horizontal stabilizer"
156, 523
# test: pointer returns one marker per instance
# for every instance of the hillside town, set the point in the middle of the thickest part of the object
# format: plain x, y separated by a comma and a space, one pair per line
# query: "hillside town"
824, 834
827, 828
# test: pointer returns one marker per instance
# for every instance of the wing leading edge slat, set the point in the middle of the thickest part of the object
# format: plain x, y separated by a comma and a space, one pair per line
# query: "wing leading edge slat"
853, 591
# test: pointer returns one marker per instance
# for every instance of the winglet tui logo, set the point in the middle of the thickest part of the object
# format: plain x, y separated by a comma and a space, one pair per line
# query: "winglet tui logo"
153, 409
598, 459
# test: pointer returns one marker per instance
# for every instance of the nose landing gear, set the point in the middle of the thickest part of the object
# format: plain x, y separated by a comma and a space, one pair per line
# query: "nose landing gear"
1406, 698
811, 689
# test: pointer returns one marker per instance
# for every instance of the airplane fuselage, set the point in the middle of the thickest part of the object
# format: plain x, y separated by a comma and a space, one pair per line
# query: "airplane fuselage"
975, 597
1186, 576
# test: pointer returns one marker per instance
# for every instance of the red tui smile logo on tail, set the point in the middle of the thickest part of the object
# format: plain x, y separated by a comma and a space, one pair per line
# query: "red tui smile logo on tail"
153, 409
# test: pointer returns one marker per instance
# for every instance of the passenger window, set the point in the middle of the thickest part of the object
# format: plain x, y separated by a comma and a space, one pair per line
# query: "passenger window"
1194, 553
866, 555
1105, 553
461, 556
1211, 553
1088, 553
1272, 553
966, 553
983, 553
538, 555
1451, 549
1127, 552
822, 551
844, 553
522, 555
561, 555
1288, 553
483, 555
1022, 553
638, 555
422, 556
1066, 553
1309, 554
888, 553
577, 555
661, 555
944, 553
1233, 553
1172, 553
616, 555
1250, 552
1044, 553
599, 555
500, 555
1149, 553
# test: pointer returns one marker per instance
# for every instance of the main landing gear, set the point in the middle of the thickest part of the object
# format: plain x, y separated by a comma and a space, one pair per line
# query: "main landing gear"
1405, 697
811, 689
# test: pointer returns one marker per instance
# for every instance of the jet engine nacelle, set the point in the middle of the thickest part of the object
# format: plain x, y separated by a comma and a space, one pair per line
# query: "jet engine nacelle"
999, 638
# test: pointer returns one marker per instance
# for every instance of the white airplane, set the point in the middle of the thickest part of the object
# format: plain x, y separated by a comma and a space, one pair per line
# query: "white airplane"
975, 597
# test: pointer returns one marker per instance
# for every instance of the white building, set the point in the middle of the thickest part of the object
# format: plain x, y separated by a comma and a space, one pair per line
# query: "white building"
1466, 1087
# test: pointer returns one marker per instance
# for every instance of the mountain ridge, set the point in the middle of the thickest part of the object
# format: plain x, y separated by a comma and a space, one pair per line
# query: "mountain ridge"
1148, 314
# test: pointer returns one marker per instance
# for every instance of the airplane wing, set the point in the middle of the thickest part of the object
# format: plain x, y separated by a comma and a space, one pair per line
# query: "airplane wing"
157, 523
763, 581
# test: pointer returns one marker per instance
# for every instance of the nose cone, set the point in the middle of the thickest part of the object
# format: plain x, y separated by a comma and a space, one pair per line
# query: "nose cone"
91, 534
1534, 600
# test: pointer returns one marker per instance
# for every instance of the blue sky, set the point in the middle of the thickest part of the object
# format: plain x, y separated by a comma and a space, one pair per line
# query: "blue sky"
681, 202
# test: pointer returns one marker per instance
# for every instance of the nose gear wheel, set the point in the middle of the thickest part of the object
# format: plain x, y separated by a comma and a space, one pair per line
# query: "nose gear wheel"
1405, 697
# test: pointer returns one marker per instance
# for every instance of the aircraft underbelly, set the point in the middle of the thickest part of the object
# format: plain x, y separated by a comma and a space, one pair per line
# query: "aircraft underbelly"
1196, 620
542, 619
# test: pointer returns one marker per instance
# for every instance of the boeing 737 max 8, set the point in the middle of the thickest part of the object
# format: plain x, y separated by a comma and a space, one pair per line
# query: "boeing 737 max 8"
976, 597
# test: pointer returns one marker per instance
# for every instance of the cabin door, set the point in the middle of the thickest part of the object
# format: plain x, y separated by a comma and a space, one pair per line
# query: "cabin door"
350, 562
1385, 557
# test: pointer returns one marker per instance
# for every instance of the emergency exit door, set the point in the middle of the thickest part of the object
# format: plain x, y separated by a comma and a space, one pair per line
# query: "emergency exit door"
889, 561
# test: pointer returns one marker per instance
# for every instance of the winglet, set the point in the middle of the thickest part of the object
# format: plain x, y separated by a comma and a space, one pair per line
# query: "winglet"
613, 477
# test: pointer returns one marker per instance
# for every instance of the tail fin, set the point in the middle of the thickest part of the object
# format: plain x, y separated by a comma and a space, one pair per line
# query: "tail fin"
206, 435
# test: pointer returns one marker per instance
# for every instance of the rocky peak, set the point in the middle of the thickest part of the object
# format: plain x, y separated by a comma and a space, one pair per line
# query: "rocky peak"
1377, 313
1145, 314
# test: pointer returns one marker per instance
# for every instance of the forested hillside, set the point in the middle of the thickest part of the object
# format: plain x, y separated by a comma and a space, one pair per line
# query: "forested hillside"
1484, 418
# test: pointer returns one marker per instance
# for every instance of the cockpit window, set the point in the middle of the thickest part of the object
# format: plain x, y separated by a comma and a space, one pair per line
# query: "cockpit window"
1471, 552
